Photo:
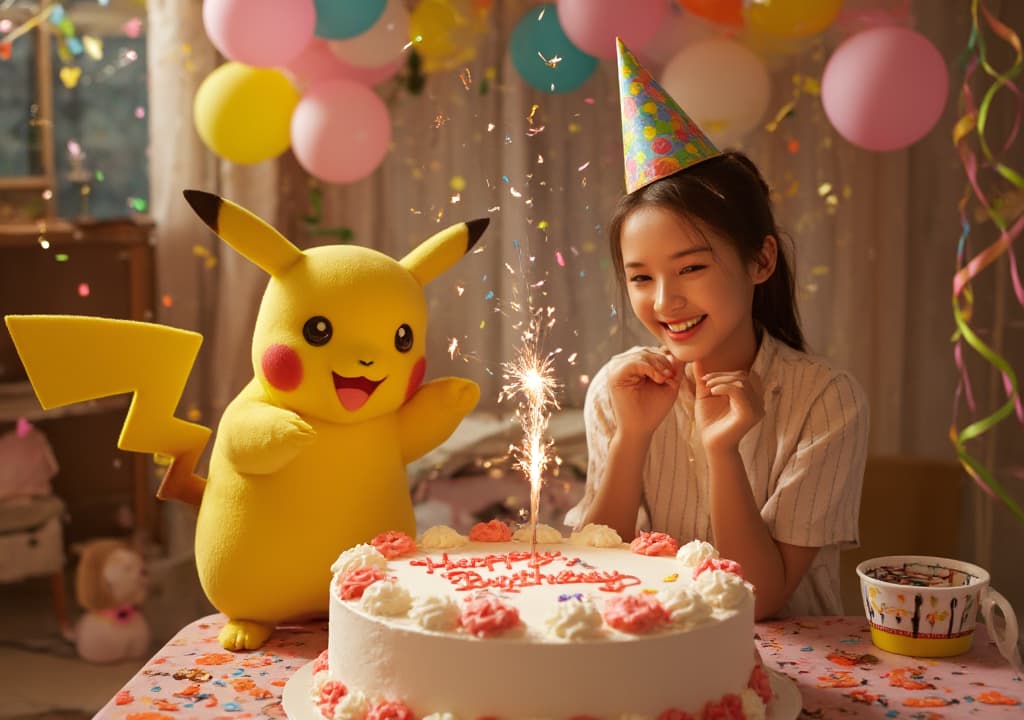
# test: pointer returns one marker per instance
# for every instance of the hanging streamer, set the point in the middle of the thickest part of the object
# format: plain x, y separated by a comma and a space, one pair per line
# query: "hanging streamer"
973, 122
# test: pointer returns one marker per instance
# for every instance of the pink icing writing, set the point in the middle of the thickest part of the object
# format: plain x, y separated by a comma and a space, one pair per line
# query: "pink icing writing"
393, 544
654, 543
487, 615
729, 566
320, 664
462, 572
331, 693
492, 531
728, 708
761, 684
634, 613
352, 584
675, 714
390, 710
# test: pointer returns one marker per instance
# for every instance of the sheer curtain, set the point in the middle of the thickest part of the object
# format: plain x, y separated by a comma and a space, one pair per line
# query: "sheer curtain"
875, 234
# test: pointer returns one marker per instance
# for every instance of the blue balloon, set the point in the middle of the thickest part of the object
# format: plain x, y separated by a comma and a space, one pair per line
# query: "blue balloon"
343, 19
544, 57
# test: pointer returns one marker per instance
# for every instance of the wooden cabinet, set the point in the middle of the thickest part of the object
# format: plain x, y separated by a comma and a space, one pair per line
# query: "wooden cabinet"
86, 268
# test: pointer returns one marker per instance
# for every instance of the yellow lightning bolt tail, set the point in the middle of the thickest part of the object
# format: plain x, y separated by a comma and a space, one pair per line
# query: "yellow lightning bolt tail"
73, 359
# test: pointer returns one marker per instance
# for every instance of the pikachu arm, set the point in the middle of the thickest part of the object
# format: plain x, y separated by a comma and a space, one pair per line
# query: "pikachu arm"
258, 437
432, 414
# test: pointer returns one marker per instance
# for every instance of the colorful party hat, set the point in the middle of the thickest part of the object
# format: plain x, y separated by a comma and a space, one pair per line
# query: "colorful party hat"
658, 138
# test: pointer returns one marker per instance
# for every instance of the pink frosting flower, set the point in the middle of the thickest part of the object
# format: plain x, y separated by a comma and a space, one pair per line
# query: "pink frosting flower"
761, 683
493, 531
393, 543
331, 693
390, 710
352, 584
730, 707
718, 564
487, 615
654, 543
320, 664
675, 714
636, 614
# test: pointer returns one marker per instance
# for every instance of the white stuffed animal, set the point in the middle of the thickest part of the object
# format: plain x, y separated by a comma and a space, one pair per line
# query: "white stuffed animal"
110, 584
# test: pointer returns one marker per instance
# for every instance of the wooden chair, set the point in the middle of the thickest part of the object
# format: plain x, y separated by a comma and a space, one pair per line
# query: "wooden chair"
909, 506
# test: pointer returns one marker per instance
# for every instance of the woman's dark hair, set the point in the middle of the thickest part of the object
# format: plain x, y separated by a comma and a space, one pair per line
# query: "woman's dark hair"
727, 196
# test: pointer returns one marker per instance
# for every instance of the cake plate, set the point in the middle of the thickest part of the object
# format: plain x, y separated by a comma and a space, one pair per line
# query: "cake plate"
298, 706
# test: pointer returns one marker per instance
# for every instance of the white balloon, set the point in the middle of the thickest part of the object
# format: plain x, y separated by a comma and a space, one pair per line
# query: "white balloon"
722, 86
382, 44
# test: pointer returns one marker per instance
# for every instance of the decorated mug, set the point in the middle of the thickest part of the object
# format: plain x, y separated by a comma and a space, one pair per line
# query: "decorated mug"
927, 606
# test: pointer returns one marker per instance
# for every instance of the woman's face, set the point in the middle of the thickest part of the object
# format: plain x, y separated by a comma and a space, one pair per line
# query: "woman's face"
694, 299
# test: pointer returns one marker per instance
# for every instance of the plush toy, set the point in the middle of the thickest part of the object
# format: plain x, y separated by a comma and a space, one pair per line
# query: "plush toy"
310, 457
110, 584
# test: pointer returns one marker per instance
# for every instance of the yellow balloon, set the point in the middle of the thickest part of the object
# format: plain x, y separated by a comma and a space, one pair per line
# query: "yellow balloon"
444, 31
243, 114
792, 18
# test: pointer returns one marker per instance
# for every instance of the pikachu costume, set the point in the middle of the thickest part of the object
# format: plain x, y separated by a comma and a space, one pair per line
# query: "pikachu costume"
310, 457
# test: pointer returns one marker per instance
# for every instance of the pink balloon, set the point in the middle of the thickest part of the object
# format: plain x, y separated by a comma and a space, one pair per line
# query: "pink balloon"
317, 63
593, 25
261, 33
340, 131
885, 88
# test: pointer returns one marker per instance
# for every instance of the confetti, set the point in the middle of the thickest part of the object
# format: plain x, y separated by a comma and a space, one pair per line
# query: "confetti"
559, 259
551, 63
467, 78
457, 183
584, 166
83, 289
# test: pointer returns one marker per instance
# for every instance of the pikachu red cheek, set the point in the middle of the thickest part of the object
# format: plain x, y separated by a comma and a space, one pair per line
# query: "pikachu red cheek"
416, 377
282, 367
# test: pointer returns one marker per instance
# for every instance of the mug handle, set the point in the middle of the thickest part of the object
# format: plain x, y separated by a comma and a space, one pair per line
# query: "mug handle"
1006, 640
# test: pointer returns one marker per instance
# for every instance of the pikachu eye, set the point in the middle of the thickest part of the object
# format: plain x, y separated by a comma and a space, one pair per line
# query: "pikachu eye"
317, 330
403, 338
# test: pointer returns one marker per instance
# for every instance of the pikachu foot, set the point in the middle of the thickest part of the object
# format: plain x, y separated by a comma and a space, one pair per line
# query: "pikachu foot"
243, 635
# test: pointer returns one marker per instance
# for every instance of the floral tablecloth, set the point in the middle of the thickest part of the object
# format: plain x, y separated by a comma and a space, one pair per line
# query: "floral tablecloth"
839, 672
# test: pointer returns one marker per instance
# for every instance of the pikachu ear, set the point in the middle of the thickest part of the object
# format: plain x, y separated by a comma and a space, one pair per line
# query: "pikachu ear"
249, 235
438, 253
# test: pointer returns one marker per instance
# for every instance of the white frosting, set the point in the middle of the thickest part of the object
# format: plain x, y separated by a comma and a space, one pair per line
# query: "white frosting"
753, 705
685, 607
353, 706
546, 535
386, 598
359, 556
318, 682
595, 535
436, 613
695, 552
722, 589
575, 619
440, 537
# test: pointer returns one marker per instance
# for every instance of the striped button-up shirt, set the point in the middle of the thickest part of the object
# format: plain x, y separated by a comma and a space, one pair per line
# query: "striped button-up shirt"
804, 460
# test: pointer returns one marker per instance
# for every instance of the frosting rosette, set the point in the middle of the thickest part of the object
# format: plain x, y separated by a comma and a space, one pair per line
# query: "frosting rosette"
390, 710
393, 544
729, 707
596, 535
386, 599
327, 696
546, 535
654, 544
435, 613
684, 607
490, 531
359, 556
693, 553
442, 537
729, 566
760, 683
576, 618
635, 614
352, 584
721, 589
487, 615
353, 706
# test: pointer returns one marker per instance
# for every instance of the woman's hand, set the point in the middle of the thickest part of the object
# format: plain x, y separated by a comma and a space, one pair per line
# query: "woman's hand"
727, 405
643, 384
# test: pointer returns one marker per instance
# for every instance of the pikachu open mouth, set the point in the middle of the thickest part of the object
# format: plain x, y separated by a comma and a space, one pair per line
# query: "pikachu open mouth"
353, 392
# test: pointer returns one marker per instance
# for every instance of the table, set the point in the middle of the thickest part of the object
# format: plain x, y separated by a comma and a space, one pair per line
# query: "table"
839, 672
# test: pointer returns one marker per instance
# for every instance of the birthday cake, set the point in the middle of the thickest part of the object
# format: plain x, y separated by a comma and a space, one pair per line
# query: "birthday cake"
518, 626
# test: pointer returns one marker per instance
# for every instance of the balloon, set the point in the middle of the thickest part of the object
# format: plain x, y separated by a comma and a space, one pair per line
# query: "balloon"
884, 88
679, 29
544, 57
382, 44
341, 131
792, 18
343, 19
445, 31
317, 63
593, 25
721, 85
262, 33
242, 113
723, 12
